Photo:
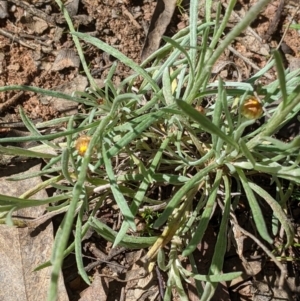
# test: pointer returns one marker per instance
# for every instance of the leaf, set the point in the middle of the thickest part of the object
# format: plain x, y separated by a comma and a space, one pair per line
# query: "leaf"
206, 124
212, 278
281, 76
23, 249
205, 217
119, 198
78, 253
221, 244
277, 210
131, 242
161, 18
255, 209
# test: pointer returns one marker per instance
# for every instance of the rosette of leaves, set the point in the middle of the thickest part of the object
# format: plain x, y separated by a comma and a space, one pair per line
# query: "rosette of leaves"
150, 145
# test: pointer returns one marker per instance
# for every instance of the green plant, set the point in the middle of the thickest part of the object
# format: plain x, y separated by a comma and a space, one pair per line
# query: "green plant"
149, 217
295, 26
152, 136
180, 6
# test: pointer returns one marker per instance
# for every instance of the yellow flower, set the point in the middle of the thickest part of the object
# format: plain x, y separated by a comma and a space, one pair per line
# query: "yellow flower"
252, 108
200, 109
82, 144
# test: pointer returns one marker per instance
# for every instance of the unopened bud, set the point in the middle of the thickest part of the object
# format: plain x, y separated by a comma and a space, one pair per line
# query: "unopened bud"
252, 108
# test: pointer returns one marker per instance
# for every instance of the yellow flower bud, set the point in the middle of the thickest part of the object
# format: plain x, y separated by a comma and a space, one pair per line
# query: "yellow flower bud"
200, 109
82, 144
252, 108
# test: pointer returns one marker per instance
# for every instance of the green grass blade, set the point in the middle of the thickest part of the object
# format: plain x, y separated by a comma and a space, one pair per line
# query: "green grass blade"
167, 87
225, 19
41, 91
247, 153
216, 119
25, 203
193, 37
77, 44
137, 128
34, 174
41, 186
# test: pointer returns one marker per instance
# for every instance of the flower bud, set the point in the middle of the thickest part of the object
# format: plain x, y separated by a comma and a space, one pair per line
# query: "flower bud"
82, 144
252, 108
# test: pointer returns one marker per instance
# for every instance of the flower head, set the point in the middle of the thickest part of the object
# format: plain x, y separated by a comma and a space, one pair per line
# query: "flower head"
82, 144
252, 108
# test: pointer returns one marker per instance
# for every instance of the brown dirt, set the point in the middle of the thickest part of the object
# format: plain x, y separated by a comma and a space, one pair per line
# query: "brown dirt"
29, 57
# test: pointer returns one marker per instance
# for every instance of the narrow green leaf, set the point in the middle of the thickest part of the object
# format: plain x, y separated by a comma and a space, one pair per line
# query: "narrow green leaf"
216, 120
22, 152
8, 218
247, 153
167, 87
30, 126
119, 55
218, 278
131, 242
139, 196
178, 46
65, 165
221, 244
161, 260
277, 211
272, 168
206, 124
205, 217
78, 247
25, 203
119, 198
182, 192
281, 76
34, 174
255, 209
137, 128
198, 283
85, 228
212, 278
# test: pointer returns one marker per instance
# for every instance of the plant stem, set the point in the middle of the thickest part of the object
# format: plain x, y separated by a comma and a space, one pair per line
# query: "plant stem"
236, 31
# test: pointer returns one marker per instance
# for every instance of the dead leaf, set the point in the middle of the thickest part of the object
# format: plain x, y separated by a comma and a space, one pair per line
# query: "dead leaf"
65, 58
72, 7
3, 9
23, 249
97, 291
161, 18
68, 107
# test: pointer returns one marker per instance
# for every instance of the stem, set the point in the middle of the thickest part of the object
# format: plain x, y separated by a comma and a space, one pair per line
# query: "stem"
236, 31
